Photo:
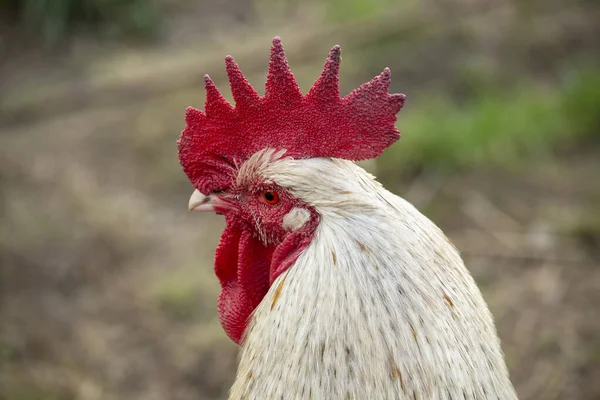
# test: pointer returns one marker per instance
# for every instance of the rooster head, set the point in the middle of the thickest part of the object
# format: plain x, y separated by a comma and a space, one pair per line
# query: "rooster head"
228, 153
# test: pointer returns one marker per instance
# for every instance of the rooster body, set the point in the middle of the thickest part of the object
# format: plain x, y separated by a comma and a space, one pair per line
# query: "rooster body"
379, 305
334, 287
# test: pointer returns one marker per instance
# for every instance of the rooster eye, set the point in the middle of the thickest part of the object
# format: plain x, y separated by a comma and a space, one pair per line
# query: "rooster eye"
270, 197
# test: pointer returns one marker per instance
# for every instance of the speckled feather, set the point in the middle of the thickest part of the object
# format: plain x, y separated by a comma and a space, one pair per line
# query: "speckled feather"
378, 306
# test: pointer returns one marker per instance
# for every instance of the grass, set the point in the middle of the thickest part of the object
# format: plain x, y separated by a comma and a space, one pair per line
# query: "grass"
50, 21
505, 129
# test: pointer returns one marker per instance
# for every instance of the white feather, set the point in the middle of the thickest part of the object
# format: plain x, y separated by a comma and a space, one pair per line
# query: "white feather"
378, 306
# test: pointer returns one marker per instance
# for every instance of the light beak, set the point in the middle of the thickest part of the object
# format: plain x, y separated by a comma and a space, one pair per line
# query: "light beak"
200, 202
212, 202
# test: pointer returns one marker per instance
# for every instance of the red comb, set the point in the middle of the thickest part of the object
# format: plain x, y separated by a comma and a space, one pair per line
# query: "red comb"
318, 124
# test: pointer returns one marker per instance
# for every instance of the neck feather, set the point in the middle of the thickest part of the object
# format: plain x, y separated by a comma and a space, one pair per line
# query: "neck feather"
379, 303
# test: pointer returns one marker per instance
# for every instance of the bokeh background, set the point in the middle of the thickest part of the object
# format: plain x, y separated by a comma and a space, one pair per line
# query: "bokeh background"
106, 282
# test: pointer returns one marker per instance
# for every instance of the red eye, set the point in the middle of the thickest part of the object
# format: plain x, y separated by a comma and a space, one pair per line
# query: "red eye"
270, 197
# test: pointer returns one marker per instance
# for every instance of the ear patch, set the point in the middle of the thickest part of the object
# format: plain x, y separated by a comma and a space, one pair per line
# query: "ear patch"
295, 219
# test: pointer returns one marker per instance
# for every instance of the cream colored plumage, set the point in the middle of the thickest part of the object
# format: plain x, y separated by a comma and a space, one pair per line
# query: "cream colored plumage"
378, 306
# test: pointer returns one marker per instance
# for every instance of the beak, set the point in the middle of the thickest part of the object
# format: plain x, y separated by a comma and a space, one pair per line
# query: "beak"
212, 202
200, 202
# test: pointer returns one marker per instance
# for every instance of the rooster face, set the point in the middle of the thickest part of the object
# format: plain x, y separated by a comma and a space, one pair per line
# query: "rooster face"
267, 229
252, 162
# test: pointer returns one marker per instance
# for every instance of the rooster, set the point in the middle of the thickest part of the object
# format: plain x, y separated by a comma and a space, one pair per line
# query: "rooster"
333, 287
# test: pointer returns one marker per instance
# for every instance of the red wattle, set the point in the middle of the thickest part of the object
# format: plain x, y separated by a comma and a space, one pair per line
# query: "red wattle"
287, 253
242, 266
246, 268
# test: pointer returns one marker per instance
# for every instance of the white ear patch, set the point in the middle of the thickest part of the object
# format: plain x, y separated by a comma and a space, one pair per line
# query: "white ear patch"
295, 219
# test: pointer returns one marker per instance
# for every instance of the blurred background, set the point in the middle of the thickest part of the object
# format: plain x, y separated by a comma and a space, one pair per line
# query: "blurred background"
106, 282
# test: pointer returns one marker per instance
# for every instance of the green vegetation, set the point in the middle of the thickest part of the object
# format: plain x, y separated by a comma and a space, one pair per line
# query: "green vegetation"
49, 21
355, 10
498, 128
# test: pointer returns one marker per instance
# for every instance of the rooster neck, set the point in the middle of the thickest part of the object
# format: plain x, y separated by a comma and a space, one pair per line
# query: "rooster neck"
379, 305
